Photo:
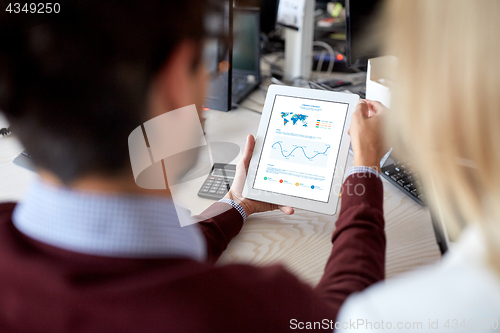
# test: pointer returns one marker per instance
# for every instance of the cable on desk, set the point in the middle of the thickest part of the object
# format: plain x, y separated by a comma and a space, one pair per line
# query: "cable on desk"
330, 51
321, 60
279, 56
319, 86
246, 107
274, 71
254, 101
5, 131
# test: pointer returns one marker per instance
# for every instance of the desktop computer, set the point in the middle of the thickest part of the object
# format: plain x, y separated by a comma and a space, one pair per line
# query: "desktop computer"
359, 22
217, 54
234, 58
246, 53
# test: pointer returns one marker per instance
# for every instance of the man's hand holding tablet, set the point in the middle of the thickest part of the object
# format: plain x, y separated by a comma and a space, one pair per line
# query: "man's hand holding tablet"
250, 206
365, 139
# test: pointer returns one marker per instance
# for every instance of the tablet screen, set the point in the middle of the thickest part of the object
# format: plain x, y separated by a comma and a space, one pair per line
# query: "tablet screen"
300, 148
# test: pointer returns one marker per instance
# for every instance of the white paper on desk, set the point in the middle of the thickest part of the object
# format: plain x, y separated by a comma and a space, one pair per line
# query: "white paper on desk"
291, 13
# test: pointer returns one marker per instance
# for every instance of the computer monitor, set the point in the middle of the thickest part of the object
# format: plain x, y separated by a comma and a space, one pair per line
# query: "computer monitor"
268, 12
246, 55
246, 52
360, 15
218, 54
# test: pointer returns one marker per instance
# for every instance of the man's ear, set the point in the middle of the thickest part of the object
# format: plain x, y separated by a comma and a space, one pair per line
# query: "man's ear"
172, 87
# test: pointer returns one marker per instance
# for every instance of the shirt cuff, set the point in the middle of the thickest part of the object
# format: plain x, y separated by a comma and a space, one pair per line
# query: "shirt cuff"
237, 206
362, 169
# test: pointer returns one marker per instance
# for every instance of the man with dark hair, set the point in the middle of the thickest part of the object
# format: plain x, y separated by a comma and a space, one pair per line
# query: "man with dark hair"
88, 250
82, 77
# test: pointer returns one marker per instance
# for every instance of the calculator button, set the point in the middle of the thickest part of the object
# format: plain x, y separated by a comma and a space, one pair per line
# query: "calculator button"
204, 190
213, 191
221, 192
395, 177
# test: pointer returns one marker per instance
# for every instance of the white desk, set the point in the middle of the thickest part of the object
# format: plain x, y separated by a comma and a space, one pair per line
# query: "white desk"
302, 242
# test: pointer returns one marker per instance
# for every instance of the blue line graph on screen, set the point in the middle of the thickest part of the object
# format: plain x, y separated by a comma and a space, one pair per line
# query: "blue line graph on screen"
306, 152
297, 147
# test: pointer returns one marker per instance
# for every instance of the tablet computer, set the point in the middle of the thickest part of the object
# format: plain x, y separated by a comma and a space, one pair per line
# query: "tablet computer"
301, 148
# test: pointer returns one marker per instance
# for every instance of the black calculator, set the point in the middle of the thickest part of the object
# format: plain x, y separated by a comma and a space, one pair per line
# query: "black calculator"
218, 182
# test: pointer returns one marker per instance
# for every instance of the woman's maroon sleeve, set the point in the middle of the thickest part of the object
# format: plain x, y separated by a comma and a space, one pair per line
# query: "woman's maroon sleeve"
357, 259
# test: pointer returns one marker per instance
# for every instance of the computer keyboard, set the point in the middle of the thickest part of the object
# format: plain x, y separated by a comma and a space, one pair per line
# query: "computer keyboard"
240, 88
239, 84
5, 131
401, 175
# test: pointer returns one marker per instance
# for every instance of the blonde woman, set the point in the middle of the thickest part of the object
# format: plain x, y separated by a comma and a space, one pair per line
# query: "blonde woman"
445, 117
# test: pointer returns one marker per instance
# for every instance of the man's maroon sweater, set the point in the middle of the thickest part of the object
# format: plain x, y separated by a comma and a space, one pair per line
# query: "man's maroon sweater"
47, 289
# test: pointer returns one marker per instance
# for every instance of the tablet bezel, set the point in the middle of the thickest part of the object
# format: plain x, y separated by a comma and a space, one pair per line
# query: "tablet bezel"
329, 207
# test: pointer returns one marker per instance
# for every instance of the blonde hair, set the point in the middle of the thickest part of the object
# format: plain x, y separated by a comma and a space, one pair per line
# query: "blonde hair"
445, 112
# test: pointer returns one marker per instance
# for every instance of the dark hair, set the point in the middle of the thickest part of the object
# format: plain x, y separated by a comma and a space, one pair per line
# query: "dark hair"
75, 85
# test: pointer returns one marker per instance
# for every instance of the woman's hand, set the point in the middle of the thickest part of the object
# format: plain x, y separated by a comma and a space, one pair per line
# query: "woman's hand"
366, 134
250, 206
